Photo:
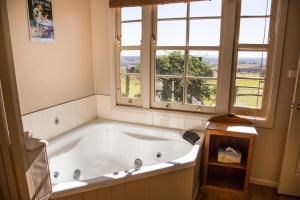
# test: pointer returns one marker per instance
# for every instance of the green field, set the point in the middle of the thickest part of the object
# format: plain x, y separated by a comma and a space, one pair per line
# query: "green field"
246, 97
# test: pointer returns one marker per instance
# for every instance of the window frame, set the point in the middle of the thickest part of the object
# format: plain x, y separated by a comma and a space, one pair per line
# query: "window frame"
137, 102
269, 48
186, 48
224, 99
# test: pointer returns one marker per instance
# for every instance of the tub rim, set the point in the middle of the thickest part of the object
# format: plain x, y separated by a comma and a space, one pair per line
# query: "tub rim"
103, 181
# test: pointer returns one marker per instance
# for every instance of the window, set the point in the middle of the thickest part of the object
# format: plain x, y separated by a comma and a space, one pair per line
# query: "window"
252, 58
186, 55
204, 56
128, 51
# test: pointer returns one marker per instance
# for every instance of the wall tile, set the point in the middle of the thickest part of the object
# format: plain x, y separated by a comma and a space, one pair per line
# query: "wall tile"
103, 106
26, 123
176, 122
40, 125
70, 115
192, 124
145, 118
162, 121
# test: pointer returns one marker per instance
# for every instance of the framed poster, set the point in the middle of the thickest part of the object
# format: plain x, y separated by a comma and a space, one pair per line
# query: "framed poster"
40, 20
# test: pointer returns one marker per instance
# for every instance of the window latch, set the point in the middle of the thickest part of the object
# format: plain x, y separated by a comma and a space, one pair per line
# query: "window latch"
199, 108
130, 101
168, 106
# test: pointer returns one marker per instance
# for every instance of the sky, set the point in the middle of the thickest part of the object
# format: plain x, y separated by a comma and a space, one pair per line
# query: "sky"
204, 32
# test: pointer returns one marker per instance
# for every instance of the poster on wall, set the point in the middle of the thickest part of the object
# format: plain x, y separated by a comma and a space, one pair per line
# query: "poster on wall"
40, 20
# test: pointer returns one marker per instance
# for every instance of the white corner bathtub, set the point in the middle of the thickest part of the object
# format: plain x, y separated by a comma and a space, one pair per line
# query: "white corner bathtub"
102, 154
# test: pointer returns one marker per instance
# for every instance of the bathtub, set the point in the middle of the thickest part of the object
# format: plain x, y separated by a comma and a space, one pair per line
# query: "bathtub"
106, 156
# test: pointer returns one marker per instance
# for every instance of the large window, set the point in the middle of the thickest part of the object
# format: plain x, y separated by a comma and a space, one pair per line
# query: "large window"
128, 50
203, 56
186, 55
252, 57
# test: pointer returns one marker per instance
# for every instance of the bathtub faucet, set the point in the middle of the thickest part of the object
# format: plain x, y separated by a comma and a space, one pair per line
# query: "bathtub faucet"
138, 163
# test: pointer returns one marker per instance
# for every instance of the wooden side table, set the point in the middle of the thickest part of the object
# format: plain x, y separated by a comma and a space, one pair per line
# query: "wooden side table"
222, 132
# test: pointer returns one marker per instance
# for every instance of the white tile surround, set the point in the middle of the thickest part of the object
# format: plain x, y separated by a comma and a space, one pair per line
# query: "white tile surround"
70, 115
161, 118
75, 113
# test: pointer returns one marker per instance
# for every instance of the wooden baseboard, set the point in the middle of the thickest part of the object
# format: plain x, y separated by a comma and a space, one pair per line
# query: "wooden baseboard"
264, 182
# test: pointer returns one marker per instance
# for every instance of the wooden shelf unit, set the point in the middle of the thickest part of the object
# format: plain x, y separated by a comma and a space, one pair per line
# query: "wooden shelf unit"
228, 131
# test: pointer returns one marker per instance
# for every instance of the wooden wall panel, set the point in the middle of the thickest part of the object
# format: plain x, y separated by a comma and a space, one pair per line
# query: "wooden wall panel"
131, 190
118, 192
92, 195
104, 194
176, 185
75, 197
143, 190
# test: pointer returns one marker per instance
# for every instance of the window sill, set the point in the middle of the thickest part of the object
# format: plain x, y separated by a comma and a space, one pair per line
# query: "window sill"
259, 122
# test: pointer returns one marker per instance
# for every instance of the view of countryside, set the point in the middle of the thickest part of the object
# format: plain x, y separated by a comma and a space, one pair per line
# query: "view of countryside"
201, 77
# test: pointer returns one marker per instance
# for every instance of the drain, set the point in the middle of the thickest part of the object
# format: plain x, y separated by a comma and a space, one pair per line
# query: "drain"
56, 174
138, 163
76, 174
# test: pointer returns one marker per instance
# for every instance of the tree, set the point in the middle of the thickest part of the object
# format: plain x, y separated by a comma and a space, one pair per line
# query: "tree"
172, 88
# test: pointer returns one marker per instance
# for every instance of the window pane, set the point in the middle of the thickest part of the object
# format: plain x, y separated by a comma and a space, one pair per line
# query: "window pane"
206, 8
130, 62
131, 34
131, 13
256, 7
175, 10
249, 93
171, 33
251, 64
205, 32
169, 62
203, 63
201, 92
254, 30
168, 90
130, 86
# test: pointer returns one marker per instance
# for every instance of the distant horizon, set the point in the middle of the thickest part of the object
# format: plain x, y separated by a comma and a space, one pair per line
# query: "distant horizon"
209, 59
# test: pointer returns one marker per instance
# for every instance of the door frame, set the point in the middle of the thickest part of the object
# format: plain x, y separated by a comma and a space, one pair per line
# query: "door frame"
286, 163
15, 161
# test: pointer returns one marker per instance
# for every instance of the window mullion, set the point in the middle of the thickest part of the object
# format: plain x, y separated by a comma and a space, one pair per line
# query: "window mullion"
226, 52
146, 54
186, 55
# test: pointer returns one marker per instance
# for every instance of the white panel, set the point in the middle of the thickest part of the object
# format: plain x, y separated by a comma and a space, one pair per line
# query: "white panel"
176, 122
192, 124
145, 118
40, 125
159, 120
103, 106
26, 123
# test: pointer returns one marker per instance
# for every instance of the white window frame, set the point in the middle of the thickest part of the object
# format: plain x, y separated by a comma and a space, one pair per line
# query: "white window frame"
269, 48
184, 106
118, 49
226, 63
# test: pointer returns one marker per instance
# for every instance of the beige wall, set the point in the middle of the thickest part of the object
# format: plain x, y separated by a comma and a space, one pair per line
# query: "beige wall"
270, 142
102, 45
52, 73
